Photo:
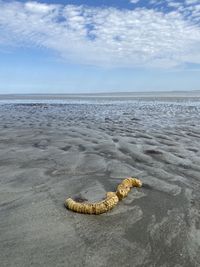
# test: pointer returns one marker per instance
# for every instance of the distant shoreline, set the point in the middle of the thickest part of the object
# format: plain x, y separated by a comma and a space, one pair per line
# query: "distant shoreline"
132, 95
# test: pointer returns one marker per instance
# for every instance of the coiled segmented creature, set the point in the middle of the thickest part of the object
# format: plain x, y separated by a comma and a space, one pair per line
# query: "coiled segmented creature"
111, 200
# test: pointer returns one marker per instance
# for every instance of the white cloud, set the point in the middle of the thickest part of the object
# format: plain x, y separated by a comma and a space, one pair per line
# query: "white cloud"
104, 36
134, 1
191, 2
174, 4
42, 8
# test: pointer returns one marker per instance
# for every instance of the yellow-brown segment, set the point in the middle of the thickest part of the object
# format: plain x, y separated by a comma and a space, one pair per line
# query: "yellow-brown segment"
126, 185
111, 200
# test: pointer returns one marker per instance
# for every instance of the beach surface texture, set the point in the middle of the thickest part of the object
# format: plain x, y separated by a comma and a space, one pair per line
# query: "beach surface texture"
80, 148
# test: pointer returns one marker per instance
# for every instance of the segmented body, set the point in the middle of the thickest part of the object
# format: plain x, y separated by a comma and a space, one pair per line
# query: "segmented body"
93, 208
111, 200
126, 185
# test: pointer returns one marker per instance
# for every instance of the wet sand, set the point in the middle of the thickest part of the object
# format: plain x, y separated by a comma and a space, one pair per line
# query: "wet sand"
49, 152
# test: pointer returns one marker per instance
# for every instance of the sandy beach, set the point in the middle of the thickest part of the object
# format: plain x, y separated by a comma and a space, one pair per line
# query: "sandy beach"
52, 151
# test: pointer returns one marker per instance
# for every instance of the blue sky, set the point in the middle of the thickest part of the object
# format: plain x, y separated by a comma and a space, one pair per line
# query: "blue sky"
90, 46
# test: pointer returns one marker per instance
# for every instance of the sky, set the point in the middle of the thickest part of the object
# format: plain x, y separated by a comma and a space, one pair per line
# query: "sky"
88, 46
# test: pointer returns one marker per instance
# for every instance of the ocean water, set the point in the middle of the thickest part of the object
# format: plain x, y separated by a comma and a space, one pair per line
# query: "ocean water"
143, 112
180, 98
